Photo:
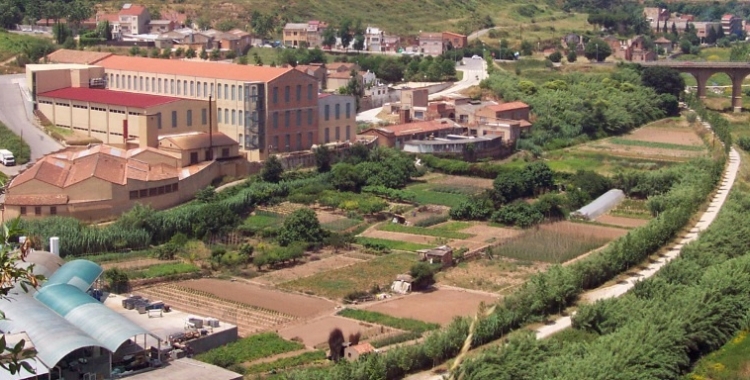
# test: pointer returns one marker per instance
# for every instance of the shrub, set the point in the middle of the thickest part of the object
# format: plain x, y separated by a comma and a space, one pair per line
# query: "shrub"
744, 143
14, 143
248, 349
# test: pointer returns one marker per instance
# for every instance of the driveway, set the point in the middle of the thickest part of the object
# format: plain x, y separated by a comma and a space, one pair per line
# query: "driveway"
16, 113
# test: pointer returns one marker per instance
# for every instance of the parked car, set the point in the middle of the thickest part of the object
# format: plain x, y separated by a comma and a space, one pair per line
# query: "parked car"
6, 157
475, 57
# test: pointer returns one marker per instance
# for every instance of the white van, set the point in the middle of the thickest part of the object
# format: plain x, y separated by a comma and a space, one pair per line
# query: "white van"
6, 157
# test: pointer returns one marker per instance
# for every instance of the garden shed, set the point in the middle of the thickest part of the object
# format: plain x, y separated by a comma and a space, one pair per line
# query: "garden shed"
442, 254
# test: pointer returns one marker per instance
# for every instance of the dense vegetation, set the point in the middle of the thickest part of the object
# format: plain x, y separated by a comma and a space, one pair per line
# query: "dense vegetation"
406, 324
691, 307
573, 108
249, 349
15, 144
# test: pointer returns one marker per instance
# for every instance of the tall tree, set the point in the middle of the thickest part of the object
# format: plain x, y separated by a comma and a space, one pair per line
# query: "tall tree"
329, 37
663, 80
674, 29
359, 42
78, 11
597, 50
272, 169
345, 33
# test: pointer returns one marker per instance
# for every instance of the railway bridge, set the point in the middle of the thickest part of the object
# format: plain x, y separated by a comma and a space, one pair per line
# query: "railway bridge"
701, 71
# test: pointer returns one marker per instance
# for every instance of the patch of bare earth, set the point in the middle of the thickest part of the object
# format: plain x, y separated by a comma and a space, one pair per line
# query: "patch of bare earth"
306, 269
294, 304
438, 306
314, 333
621, 221
500, 274
399, 236
327, 216
585, 229
641, 152
453, 180
684, 136
486, 235
135, 264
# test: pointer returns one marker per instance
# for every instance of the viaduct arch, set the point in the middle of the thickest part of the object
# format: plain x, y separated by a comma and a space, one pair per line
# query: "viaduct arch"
701, 71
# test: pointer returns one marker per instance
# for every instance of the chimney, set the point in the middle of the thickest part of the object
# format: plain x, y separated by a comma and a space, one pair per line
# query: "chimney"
404, 115
125, 132
54, 245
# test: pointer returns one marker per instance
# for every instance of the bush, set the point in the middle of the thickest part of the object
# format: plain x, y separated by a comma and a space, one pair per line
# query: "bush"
406, 324
248, 349
423, 275
744, 143
555, 57
14, 143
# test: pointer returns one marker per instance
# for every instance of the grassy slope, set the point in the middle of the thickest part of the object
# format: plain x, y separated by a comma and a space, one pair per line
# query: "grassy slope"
394, 16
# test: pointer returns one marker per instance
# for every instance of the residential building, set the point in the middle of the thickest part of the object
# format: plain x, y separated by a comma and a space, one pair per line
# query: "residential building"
439, 255
337, 115
177, 18
702, 28
187, 38
338, 79
454, 40
416, 97
509, 130
353, 352
294, 34
518, 111
391, 42
243, 42
394, 136
374, 39
731, 24
458, 147
132, 19
264, 108
317, 70
431, 43
160, 26
315, 31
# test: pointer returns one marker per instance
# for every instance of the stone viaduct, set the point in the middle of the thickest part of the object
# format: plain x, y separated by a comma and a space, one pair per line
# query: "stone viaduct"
701, 71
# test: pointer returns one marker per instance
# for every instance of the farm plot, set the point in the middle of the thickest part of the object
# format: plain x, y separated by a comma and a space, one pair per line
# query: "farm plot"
249, 294
314, 334
499, 275
337, 283
135, 263
622, 221
438, 306
557, 242
306, 269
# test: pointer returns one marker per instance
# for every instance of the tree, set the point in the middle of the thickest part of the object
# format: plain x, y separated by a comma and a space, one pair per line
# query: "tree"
206, 195
256, 58
262, 24
204, 54
104, 30
78, 11
345, 33
572, 56
663, 80
117, 280
674, 29
272, 170
215, 54
301, 226
711, 36
526, 48
597, 50
323, 159
391, 71
359, 42
179, 52
685, 46
423, 276
555, 57
346, 177
190, 53
336, 344
61, 32
329, 37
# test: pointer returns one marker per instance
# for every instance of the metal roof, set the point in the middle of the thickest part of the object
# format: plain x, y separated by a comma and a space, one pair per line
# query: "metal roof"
79, 273
45, 263
52, 335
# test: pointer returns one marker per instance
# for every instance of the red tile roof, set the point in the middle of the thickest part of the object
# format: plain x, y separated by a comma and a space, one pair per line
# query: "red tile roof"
193, 68
36, 200
508, 106
111, 17
134, 10
418, 127
454, 34
115, 98
363, 348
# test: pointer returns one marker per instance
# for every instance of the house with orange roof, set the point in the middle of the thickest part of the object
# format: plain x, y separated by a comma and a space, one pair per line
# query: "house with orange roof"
394, 136
509, 111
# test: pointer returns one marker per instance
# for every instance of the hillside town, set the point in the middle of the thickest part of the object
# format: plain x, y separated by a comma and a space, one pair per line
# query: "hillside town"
295, 192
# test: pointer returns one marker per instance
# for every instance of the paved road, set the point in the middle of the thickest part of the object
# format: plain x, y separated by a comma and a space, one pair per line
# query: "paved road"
474, 71
617, 290
16, 113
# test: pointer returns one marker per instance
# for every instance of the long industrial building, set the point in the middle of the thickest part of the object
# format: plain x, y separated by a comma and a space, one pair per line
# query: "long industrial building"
266, 109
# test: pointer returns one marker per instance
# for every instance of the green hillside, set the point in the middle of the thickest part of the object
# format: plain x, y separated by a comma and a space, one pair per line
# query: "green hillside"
403, 17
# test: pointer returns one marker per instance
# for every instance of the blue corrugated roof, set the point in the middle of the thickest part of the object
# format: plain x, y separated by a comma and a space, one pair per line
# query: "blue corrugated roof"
79, 273
63, 298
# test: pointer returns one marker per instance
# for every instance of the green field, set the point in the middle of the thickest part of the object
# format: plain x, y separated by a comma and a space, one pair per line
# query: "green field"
393, 244
426, 193
262, 220
163, 270
287, 363
436, 232
341, 224
731, 362
362, 277
406, 324
548, 246
632, 208
654, 144
249, 349
114, 256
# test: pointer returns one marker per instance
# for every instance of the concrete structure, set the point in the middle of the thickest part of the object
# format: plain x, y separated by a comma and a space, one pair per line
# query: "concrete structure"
416, 97
454, 41
308, 34
316, 70
395, 136
353, 352
442, 254
337, 118
731, 24
467, 148
160, 26
188, 369
701, 71
702, 28
431, 43
374, 39
664, 44
518, 111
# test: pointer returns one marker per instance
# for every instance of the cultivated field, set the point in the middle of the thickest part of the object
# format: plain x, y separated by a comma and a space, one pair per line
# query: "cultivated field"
470, 236
336, 284
622, 221
306, 269
249, 294
557, 242
498, 275
438, 306
314, 334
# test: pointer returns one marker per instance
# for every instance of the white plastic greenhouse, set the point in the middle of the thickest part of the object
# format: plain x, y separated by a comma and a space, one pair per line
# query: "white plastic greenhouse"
600, 205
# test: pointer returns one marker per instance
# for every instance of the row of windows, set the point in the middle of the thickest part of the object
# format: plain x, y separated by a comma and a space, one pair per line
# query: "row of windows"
38, 210
183, 87
44, 102
122, 112
287, 147
337, 134
287, 93
80, 107
288, 118
188, 118
154, 191
337, 112
62, 104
